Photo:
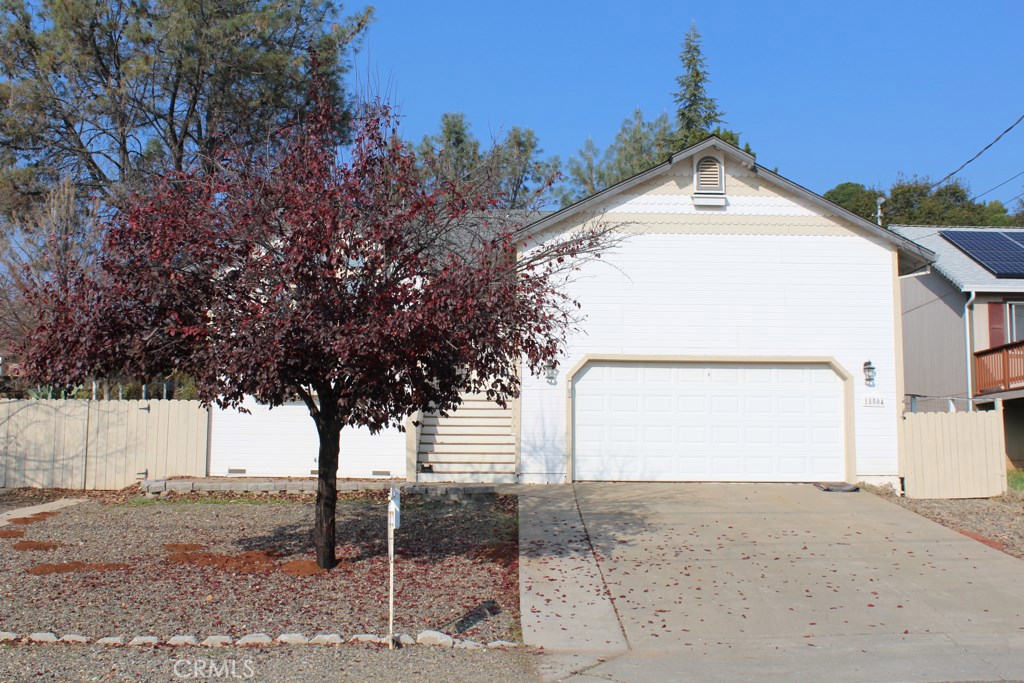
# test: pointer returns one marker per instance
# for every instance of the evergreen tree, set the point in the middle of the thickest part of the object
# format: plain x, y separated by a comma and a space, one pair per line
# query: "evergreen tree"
696, 111
526, 178
523, 176
585, 174
454, 151
638, 146
106, 93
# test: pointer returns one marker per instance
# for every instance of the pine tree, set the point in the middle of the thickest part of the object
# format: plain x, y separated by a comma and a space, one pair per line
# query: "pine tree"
110, 93
696, 111
455, 154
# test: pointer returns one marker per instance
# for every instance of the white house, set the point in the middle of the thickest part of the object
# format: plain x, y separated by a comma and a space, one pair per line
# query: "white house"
747, 330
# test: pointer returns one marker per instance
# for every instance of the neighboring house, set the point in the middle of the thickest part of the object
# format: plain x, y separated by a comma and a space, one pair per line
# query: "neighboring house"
963, 324
747, 330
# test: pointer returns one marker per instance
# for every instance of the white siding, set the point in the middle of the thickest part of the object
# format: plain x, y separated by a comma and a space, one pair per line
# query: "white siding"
283, 443
722, 296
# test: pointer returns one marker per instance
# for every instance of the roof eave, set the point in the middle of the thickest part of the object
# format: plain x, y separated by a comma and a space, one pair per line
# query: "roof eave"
916, 256
913, 255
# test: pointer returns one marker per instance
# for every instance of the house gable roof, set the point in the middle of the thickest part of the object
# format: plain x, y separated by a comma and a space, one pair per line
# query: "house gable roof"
912, 256
956, 266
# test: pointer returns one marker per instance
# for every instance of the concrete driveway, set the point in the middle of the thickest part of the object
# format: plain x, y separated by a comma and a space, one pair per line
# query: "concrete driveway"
759, 582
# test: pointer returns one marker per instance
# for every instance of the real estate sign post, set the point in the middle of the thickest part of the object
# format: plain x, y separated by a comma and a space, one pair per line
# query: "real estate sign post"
394, 521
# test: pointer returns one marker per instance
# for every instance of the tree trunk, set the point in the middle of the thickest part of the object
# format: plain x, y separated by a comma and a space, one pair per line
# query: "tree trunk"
326, 495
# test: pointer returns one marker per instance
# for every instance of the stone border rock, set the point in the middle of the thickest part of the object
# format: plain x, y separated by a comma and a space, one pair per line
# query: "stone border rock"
426, 638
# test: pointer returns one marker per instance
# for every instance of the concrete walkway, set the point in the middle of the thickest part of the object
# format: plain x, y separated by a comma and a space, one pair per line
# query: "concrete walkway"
565, 604
6, 517
734, 582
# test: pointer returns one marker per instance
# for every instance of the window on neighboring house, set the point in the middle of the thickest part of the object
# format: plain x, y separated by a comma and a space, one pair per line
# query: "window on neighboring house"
1015, 318
709, 175
1005, 322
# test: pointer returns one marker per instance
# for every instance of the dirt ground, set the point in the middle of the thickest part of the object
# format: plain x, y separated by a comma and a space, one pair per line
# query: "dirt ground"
234, 565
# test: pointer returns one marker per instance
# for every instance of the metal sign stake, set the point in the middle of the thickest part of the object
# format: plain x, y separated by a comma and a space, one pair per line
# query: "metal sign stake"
394, 521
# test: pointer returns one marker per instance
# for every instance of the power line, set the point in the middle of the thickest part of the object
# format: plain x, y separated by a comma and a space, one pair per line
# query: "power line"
1007, 202
997, 186
983, 150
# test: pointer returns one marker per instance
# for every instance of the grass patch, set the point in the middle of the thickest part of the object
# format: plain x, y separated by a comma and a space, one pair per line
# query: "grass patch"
1015, 480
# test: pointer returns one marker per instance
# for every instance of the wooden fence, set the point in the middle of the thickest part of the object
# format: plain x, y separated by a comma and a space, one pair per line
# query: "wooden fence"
77, 444
954, 455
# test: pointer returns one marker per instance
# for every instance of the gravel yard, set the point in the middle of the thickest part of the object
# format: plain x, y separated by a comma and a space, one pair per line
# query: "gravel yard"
238, 565
997, 521
277, 665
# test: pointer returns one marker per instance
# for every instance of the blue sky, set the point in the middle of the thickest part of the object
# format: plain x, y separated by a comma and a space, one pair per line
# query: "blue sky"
827, 92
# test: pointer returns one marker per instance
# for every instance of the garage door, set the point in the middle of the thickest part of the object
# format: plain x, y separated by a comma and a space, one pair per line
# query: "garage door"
708, 422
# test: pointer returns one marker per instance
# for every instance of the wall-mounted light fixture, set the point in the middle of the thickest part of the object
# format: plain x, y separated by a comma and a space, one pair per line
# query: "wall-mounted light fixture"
550, 373
869, 373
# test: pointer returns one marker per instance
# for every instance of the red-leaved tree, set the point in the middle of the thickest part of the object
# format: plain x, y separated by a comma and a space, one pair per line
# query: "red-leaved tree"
348, 280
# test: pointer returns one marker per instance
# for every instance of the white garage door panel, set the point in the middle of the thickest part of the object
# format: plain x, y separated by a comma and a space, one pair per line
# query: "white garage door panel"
689, 422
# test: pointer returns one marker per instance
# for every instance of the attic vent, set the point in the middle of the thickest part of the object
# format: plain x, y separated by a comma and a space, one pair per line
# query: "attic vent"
709, 175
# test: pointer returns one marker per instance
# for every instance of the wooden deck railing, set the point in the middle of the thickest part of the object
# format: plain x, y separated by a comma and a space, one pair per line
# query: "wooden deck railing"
1000, 368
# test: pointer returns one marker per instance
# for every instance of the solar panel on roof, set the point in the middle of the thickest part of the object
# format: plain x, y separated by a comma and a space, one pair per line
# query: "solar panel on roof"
997, 252
1017, 237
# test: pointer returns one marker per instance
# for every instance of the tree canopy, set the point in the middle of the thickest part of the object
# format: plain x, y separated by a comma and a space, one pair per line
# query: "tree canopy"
362, 285
855, 197
55, 239
917, 201
638, 145
641, 144
520, 173
106, 92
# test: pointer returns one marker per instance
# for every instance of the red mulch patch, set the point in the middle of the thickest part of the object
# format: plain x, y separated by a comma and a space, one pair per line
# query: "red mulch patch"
12, 533
68, 567
304, 568
252, 562
35, 545
32, 519
982, 539
503, 554
183, 547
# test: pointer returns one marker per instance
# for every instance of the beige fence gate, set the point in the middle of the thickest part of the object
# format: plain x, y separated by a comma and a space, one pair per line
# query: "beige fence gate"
954, 455
100, 444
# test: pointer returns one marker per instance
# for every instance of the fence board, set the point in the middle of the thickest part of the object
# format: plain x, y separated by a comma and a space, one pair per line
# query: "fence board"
152, 436
5, 407
99, 444
69, 450
954, 455
176, 454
